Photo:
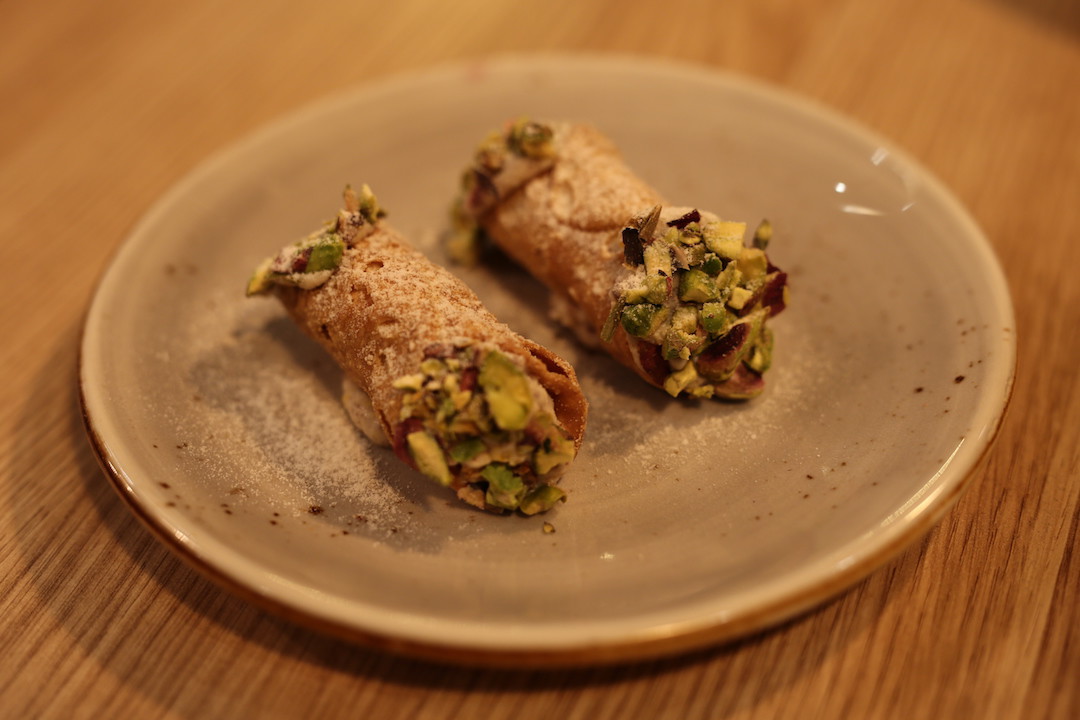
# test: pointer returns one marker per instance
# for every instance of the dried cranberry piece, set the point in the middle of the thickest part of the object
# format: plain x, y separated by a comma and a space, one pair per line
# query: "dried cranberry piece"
722, 357
469, 377
483, 192
772, 295
652, 362
744, 383
439, 350
691, 217
300, 261
405, 428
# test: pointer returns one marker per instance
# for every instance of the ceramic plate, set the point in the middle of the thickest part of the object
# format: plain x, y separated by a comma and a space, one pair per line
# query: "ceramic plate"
687, 523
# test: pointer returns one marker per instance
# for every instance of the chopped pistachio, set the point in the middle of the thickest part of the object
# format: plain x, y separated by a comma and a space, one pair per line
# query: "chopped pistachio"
685, 319
696, 286
364, 203
701, 391
326, 254
541, 499
433, 367
752, 263
640, 320
725, 238
260, 280
530, 139
491, 155
461, 398
690, 235
466, 449
730, 277
471, 495
560, 451
505, 489
712, 264
506, 390
409, 382
646, 224
658, 260
676, 382
612, 322
739, 298
763, 234
679, 344
429, 458
695, 255
760, 357
715, 318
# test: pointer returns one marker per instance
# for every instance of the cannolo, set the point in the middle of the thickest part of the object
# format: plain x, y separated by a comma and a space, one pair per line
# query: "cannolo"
428, 370
675, 293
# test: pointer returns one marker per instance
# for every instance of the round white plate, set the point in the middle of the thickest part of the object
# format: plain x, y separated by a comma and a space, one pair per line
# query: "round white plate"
687, 523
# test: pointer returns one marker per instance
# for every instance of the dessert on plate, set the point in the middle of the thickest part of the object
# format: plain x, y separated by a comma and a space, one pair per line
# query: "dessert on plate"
427, 369
675, 293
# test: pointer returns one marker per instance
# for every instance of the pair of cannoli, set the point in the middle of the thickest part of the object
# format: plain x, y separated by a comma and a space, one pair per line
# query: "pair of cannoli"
672, 293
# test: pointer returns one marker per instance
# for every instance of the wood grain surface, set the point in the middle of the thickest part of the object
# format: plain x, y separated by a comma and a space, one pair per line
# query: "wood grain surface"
106, 104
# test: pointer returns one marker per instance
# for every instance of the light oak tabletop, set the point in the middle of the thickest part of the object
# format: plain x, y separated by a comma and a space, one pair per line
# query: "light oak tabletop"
107, 105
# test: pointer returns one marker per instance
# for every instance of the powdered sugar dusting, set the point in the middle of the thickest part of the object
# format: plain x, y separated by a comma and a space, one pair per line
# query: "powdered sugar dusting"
265, 405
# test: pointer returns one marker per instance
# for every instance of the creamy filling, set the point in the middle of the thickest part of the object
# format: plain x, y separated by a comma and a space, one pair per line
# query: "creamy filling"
358, 407
574, 319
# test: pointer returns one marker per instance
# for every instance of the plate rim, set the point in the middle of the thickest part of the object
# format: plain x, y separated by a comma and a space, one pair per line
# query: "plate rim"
651, 642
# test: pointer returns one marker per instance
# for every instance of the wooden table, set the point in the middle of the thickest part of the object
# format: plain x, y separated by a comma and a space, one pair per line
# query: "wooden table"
106, 104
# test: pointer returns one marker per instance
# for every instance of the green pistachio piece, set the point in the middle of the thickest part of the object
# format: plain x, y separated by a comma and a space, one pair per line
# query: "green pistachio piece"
680, 344
763, 234
702, 391
506, 391
326, 254
541, 499
752, 263
410, 383
641, 320
739, 297
715, 318
559, 451
695, 255
505, 489
696, 286
685, 318
428, 456
677, 381
608, 331
712, 264
368, 205
725, 238
466, 450
657, 259
530, 139
691, 234
260, 280
655, 291
433, 367
730, 277
760, 358
646, 224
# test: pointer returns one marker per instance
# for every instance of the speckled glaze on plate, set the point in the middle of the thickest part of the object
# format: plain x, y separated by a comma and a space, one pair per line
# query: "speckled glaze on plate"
688, 523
